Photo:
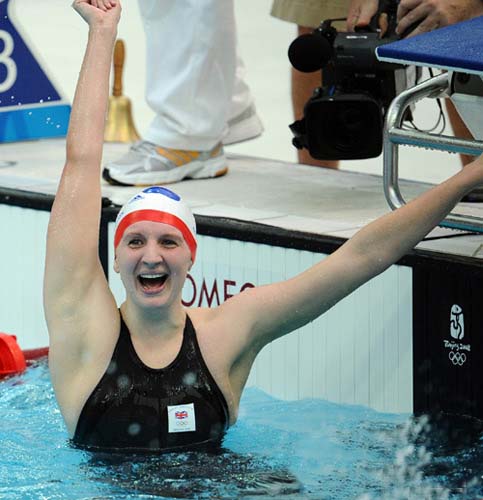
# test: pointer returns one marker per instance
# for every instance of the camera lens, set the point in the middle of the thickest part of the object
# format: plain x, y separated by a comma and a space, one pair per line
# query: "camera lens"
345, 127
348, 128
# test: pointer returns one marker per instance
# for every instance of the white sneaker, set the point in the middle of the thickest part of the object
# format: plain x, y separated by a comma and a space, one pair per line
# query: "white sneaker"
146, 164
243, 127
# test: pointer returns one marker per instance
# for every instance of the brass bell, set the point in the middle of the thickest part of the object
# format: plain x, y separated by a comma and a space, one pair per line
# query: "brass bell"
120, 125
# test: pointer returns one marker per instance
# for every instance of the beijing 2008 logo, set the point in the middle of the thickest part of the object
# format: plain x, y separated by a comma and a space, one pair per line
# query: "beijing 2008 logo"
456, 354
457, 322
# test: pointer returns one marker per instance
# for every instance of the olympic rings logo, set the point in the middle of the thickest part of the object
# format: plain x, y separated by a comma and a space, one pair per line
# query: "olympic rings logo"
457, 358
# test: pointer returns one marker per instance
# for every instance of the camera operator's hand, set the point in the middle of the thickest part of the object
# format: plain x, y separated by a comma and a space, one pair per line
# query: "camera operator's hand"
360, 13
429, 15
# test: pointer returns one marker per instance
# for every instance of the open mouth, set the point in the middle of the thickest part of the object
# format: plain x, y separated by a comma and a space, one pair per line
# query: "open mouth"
152, 283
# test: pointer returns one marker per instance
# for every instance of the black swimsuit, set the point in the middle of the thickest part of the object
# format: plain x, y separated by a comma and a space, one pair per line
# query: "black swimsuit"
140, 408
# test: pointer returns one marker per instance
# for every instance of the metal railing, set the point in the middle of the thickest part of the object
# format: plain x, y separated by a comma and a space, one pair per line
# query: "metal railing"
395, 135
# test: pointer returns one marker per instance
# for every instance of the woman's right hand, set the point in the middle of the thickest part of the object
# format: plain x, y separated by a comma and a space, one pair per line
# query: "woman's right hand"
104, 13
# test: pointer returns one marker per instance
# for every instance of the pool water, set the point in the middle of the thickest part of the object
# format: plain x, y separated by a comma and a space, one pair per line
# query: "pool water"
309, 449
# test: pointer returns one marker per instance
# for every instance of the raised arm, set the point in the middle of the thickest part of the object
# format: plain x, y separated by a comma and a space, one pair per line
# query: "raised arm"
271, 311
72, 264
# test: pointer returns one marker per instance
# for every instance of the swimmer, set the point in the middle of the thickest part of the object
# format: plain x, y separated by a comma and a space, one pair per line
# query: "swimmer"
154, 375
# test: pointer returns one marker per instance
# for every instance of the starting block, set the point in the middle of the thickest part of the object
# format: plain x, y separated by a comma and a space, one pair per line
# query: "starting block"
30, 105
458, 50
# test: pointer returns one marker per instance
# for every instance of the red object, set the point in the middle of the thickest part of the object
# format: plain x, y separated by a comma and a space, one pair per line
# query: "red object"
33, 354
12, 359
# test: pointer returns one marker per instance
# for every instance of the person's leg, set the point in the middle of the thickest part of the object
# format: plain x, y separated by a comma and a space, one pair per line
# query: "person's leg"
216, 78
307, 15
190, 75
243, 120
459, 129
303, 85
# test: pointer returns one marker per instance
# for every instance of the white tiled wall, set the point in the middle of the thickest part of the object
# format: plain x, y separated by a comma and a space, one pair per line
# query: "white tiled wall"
22, 271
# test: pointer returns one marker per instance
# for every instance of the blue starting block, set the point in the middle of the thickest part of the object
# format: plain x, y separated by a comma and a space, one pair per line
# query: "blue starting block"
441, 386
458, 49
30, 105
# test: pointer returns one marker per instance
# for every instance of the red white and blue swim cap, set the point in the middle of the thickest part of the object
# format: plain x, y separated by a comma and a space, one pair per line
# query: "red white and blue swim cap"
158, 204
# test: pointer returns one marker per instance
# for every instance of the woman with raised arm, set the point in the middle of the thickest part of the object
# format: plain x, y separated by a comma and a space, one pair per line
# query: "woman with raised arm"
153, 375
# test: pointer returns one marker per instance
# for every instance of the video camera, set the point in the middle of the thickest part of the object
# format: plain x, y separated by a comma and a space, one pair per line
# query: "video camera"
344, 118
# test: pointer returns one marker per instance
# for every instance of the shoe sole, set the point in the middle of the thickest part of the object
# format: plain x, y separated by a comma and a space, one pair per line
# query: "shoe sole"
194, 170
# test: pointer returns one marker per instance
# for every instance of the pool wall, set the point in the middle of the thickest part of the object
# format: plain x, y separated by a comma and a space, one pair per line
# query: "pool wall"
386, 346
22, 257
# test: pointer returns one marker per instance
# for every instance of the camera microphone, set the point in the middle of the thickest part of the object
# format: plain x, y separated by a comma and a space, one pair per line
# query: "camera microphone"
310, 52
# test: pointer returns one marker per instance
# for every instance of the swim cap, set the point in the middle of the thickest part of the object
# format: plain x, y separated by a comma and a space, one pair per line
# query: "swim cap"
158, 204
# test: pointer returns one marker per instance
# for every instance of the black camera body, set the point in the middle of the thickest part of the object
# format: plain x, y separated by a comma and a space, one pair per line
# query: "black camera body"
344, 118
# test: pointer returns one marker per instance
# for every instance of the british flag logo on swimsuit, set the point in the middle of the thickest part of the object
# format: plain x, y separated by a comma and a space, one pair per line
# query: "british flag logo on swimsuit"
181, 418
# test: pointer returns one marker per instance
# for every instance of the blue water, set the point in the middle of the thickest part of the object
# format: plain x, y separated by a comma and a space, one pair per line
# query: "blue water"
308, 449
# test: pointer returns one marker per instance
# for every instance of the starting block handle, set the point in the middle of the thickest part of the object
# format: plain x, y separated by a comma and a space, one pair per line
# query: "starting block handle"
395, 135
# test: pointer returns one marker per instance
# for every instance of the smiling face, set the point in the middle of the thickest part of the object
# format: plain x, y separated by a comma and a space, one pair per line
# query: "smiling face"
153, 260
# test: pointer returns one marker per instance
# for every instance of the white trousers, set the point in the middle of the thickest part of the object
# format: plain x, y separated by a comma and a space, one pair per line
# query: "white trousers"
194, 79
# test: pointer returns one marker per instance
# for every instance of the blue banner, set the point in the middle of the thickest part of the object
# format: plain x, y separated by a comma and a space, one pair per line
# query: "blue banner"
30, 105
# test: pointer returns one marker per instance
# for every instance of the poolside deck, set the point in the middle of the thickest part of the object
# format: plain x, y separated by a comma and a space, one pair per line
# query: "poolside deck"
283, 195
